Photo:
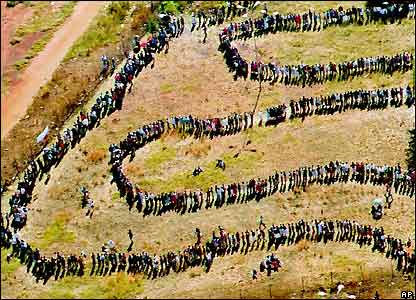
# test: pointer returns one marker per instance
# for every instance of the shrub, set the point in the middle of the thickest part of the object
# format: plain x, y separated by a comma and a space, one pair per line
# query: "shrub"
152, 24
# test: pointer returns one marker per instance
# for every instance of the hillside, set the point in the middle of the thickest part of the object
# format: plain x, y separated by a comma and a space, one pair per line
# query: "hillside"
192, 78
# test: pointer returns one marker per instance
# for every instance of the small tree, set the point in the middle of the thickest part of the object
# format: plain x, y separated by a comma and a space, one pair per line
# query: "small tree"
411, 150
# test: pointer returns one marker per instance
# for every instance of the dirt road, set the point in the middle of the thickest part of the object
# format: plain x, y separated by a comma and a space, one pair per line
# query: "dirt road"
15, 103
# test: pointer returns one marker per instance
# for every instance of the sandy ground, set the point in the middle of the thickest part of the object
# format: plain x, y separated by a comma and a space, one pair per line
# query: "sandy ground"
19, 97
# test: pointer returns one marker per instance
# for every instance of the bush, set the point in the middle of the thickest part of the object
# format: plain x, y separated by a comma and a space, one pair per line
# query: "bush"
173, 7
139, 17
118, 10
13, 3
104, 31
152, 24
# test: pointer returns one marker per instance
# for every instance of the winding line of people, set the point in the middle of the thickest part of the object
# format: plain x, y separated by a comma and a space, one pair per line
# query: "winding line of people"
203, 254
256, 189
305, 74
217, 16
150, 203
104, 106
316, 21
44, 268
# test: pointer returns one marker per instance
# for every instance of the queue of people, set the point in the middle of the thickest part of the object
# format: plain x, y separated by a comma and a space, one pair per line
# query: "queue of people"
202, 254
317, 21
105, 105
310, 74
148, 203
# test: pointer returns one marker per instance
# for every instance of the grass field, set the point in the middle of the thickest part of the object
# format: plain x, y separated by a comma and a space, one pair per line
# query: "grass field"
193, 79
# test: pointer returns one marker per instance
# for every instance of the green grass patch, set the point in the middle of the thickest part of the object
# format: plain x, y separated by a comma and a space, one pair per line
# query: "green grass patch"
115, 196
166, 88
56, 232
185, 180
44, 20
158, 158
259, 135
104, 30
288, 138
244, 163
37, 47
8, 269
117, 286
21, 64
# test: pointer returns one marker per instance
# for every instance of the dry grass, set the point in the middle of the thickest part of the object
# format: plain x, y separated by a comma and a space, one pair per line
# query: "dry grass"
72, 84
96, 155
334, 44
206, 91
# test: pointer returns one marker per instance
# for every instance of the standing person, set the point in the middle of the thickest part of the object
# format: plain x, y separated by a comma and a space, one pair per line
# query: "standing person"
85, 196
198, 236
254, 274
204, 28
389, 196
130, 233
182, 24
193, 22
90, 207
261, 223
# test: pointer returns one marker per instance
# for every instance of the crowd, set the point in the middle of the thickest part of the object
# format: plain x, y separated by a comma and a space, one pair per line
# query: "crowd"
309, 74
216, 16
316, 21
181, 202
105, 105
108, 261
269, 263
220, 243
258, 188
305, 74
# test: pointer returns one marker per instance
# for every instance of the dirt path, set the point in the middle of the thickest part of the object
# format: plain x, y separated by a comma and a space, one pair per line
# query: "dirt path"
19, 97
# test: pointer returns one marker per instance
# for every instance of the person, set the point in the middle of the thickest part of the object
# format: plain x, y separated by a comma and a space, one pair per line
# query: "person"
131, 241
377, 212
198, 236
113, 65
254, 274
193, 22
197, 171
204, 28
104, 66
220, 164
261, 223
389, 196
85, 196
90, 207
377, 296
